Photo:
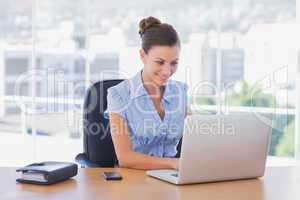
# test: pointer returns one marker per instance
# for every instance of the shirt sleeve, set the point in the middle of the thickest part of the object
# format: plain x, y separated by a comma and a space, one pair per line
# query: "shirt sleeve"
115, 103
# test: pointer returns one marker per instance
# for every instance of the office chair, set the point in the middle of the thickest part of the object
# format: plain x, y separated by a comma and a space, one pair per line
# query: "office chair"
97, 142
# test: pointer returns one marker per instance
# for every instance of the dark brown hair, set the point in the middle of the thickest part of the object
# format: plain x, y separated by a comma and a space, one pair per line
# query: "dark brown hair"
153, 32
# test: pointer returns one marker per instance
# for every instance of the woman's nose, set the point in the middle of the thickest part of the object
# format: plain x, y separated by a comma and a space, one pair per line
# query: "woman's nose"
167, 70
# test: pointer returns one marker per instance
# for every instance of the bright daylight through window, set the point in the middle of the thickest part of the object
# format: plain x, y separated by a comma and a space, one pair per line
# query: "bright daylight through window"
236, 56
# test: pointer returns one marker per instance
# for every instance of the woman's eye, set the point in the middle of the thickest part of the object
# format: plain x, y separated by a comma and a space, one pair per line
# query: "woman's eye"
174, 64
160, 62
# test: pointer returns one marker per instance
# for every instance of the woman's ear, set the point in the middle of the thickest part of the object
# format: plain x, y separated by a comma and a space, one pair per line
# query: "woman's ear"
143, 55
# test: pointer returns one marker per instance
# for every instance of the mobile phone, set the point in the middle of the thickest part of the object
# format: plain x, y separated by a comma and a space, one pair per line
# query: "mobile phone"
112, 176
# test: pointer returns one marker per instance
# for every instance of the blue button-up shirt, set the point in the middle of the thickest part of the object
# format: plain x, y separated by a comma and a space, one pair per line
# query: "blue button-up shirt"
149, 133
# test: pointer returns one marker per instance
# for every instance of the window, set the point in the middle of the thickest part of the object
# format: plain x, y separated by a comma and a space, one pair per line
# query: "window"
259, 65
237, 56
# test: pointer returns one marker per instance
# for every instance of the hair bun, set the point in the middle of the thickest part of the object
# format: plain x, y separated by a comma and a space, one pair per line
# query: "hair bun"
146, 23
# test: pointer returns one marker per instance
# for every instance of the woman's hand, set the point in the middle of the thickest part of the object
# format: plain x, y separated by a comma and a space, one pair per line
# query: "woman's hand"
175, 163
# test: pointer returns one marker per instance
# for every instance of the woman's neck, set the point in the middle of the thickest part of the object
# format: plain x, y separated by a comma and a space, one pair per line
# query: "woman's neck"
152, 88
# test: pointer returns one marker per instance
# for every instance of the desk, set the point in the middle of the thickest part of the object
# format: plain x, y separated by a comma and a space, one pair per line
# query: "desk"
278, 183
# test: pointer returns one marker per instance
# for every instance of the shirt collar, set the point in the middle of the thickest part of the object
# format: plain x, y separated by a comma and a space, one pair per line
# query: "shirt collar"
139, 90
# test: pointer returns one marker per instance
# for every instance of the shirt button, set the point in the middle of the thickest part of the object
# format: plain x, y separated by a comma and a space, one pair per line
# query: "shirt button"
163, 126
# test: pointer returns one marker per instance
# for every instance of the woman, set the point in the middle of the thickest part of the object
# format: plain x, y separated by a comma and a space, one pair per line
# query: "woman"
147, 112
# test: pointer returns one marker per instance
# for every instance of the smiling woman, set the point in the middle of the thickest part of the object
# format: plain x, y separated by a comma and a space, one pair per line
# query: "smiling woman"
76, 43
147, 111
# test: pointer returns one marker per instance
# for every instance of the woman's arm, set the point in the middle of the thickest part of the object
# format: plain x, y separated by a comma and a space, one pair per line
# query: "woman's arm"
129, 158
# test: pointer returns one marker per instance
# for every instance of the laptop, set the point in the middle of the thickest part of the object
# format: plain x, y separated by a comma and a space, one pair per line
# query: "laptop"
219, 148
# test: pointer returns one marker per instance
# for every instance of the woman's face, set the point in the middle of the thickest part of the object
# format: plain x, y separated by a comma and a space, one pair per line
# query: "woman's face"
160, 63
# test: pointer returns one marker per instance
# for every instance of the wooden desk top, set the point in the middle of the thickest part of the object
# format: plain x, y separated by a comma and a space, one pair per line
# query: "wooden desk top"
278, 183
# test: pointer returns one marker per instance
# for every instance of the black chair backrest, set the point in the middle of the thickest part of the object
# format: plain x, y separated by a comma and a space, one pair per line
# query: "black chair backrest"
98, 145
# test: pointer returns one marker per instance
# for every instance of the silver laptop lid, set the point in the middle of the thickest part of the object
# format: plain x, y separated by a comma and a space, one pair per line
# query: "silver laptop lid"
223, 147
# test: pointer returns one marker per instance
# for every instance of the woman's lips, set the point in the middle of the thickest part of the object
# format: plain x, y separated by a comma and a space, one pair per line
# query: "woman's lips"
163, 79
